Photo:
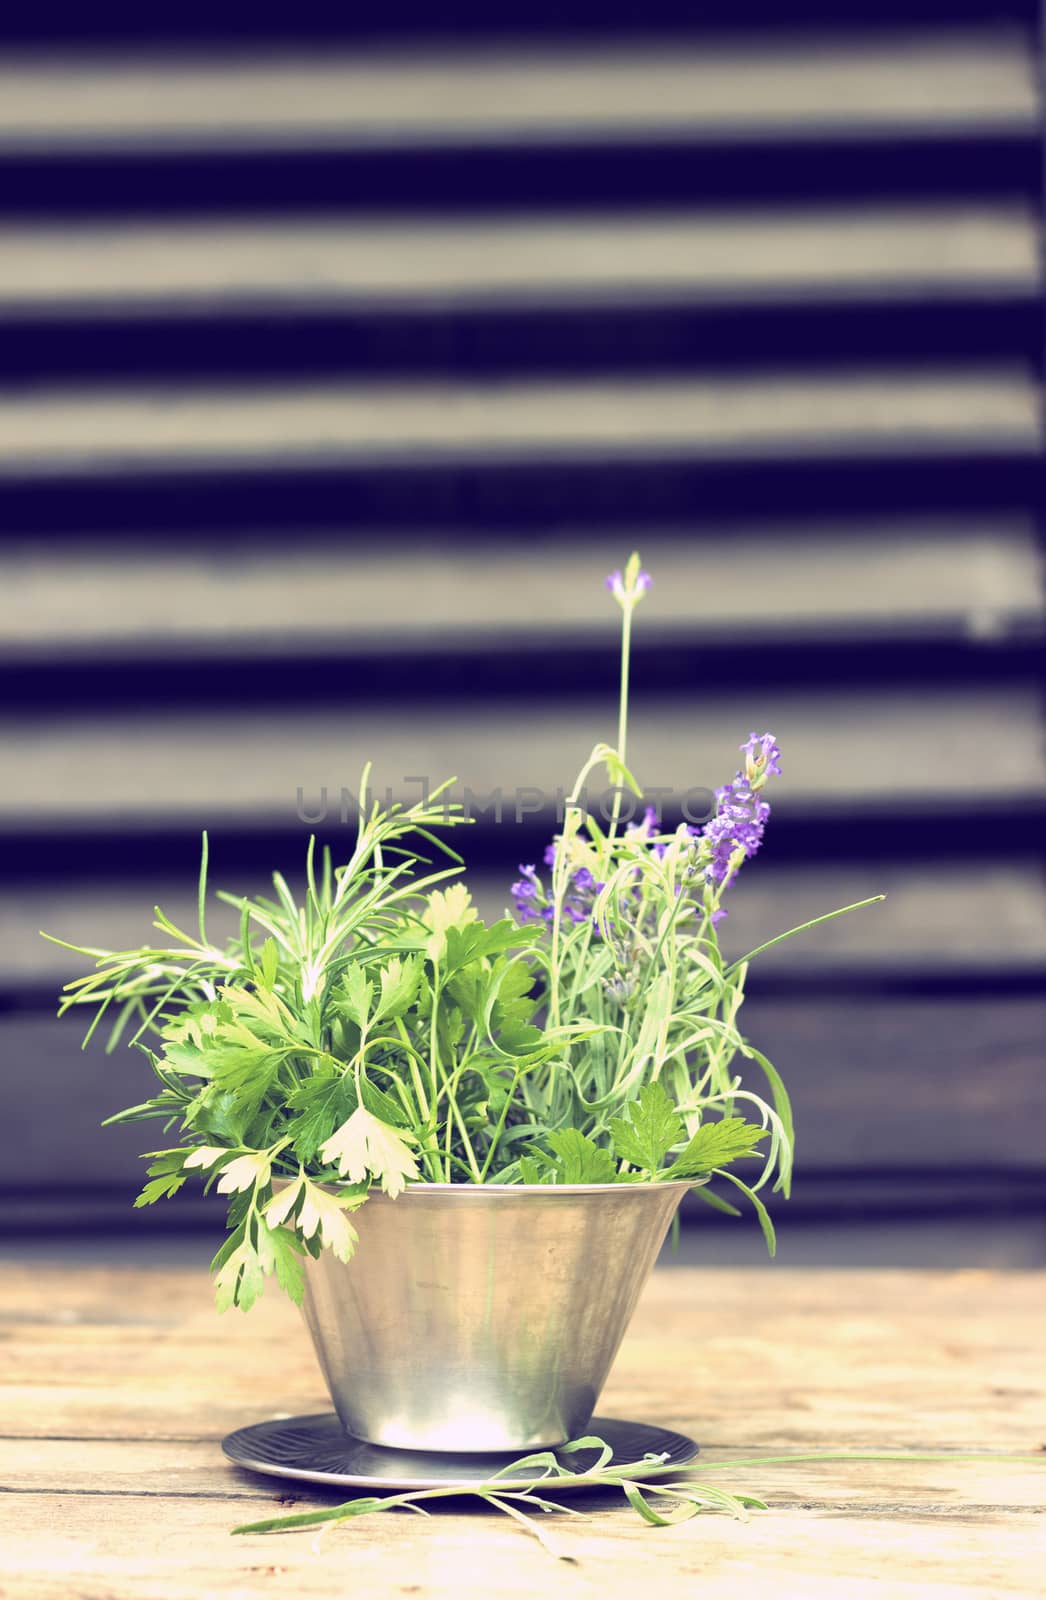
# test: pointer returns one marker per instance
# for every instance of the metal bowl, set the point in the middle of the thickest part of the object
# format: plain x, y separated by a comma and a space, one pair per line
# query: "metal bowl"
483, 1317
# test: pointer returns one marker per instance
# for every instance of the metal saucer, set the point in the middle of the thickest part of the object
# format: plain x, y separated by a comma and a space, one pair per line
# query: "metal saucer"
317, 1449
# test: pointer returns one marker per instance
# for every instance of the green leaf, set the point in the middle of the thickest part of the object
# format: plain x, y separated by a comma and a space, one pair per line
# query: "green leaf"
221, 1115
652, 1128
321, 1218
716, 1201
579, 1160
380, 1104
650, 1514
270, 958
322, 1103
760, 1210
354, 995
714, 1144
783, 1107
279, 1251
159, 1189
801, 927
365, 1146
399, 985
518, 1038
449, 908
512, 984
164, 1105
240, 1280
166, 1174
242, 1069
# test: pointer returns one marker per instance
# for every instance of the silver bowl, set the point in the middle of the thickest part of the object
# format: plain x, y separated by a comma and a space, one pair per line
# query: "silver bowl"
483, 1318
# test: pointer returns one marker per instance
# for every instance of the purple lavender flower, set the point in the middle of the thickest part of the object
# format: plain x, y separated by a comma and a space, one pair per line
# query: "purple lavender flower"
733, 836
525, 893
741, 816
578, 902
762, 758
641, 832
629, 585
580, 898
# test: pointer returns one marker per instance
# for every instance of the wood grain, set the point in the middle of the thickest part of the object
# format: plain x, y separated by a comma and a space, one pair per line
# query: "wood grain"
116, 1385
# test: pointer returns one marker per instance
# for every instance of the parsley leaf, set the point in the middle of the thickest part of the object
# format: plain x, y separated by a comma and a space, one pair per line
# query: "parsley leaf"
652, 1128
279, 1251
714, 1144
579, 1159
166, 1175
240, 1279
399, 985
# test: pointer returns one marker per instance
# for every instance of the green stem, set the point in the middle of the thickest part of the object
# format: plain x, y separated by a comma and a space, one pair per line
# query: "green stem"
626, 657
477, 1176
801, 928
415, 1075
499, 1130
449, 1089
434, 1046
622, 709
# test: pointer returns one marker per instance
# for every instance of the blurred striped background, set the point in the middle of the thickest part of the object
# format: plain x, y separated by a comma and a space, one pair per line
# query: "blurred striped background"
336, 372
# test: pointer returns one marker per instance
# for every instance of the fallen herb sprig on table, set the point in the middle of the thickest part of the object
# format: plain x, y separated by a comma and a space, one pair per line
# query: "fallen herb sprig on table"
637, 1479
512, 1493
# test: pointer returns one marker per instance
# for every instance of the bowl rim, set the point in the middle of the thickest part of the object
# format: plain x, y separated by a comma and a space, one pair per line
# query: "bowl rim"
473, 1192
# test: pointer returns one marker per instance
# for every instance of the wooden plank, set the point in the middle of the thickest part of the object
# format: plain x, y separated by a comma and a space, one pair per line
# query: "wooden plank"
132, 1549
107, 430
923, 1085
231, 101
874, 249
982, 578
115, 1484
945, 1360
210, 768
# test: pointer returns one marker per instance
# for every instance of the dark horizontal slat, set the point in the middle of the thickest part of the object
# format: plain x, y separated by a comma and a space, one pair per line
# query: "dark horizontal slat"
515, 668
138, 848
953, 330
711, 171
485, 496
907, 1083
963, 1219
409, 21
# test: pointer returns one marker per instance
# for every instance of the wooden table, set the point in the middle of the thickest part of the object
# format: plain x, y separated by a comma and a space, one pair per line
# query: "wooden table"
118, 1384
